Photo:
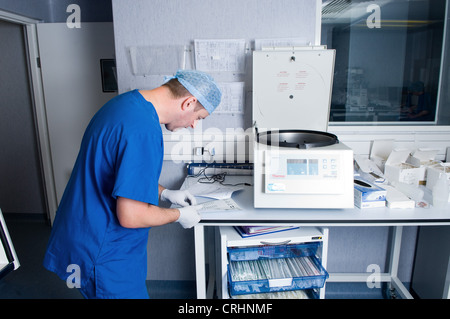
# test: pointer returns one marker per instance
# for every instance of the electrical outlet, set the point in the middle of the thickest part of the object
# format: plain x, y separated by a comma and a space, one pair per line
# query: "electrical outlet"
198, 151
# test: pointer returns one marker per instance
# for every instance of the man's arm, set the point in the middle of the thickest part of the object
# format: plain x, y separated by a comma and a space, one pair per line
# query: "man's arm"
160, 190
136, 214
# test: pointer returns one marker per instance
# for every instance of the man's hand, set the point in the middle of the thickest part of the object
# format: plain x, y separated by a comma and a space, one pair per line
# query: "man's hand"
189, 217
178, 197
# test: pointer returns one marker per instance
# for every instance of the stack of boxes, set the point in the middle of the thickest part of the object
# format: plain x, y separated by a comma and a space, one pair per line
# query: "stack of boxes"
400, 166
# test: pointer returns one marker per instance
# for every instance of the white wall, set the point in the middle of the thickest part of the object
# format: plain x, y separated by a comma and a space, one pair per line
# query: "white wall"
180, 22
70, 63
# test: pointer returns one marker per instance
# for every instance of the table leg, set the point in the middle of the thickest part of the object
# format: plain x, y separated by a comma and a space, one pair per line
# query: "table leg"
200, 271
394, 262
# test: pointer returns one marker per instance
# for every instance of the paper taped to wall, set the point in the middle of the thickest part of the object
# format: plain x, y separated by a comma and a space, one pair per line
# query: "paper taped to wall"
216, 55
157, 60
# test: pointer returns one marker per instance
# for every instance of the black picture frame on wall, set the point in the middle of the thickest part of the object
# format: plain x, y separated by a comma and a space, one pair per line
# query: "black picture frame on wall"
109, 75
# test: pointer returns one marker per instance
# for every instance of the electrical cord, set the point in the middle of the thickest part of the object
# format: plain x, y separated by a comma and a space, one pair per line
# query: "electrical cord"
220, 178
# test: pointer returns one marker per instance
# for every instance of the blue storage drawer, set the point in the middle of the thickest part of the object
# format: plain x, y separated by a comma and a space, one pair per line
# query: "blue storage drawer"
264, 270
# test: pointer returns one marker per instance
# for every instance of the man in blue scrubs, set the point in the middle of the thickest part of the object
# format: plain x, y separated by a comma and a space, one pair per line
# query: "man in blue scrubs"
111, 200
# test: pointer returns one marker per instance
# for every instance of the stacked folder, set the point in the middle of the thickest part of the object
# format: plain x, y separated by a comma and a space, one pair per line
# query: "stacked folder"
249, 231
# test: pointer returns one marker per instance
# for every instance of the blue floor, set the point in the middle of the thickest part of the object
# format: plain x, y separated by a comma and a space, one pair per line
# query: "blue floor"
33, 281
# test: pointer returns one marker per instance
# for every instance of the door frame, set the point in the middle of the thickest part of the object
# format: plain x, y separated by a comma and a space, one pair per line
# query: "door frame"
38, 101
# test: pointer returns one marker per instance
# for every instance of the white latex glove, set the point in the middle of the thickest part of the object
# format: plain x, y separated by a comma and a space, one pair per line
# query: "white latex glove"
178, 197
189, 217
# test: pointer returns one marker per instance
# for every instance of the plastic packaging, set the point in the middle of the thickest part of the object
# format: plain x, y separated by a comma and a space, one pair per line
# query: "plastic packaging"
440, 192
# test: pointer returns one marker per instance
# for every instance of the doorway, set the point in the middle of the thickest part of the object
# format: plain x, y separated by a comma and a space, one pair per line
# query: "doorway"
21, 186
25, 161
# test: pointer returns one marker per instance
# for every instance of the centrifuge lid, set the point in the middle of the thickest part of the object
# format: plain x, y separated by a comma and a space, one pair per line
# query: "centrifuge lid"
301, 139
292, 89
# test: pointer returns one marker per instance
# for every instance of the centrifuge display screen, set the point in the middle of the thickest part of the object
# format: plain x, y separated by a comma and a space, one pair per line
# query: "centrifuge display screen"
302, 167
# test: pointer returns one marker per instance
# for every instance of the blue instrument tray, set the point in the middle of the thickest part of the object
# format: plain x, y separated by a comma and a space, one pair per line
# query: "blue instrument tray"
272, 251
275, 274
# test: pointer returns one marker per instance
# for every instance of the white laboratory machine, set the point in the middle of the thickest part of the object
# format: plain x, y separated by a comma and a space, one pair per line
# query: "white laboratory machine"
297, 163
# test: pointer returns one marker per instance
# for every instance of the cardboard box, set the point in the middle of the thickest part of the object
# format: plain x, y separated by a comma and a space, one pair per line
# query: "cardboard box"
368, 195
397, 200
379, 152
423, 158
434, 173
397, 170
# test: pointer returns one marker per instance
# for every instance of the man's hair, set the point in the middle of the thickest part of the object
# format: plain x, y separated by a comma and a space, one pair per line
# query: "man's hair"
178, 90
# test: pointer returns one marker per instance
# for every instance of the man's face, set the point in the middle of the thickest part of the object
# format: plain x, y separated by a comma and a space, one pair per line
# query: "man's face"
188, 117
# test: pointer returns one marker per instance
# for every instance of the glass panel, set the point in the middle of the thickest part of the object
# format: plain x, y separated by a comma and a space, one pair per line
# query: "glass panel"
388, 59
444, 94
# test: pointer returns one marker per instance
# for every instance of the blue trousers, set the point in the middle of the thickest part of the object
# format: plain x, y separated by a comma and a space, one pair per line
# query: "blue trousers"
103, 284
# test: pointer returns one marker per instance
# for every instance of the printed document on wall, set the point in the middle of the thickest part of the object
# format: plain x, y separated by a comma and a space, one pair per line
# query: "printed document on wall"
233, 98
220, 55
282, 42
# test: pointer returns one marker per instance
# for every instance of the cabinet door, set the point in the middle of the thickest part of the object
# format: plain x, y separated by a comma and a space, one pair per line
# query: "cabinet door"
8, 258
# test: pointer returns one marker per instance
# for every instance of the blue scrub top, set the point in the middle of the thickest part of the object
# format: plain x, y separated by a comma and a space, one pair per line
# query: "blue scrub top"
121, 154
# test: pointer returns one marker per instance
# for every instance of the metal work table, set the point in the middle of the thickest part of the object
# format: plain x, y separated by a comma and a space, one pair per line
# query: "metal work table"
397, 218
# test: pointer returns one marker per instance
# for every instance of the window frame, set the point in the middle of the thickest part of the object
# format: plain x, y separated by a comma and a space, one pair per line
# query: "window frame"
399, 128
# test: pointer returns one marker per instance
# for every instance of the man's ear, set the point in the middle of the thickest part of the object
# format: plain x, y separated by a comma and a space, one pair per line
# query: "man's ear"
188, 103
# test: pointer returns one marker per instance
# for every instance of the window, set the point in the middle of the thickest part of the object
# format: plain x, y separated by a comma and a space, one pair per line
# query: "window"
388, 61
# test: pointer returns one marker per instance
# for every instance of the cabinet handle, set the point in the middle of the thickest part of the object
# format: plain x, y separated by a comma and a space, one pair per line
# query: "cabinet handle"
274, 244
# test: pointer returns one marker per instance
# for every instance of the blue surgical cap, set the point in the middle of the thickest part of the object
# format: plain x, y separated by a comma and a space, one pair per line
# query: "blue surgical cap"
202, 86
